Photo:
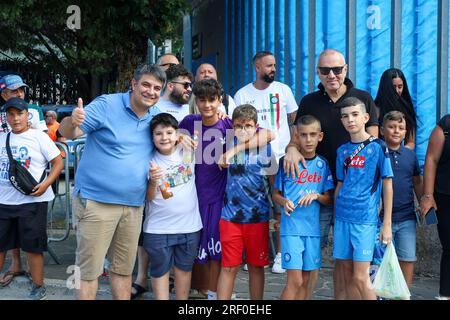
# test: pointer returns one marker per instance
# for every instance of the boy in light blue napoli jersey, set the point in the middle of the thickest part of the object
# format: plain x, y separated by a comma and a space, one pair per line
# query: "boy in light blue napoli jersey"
300, 199
362, 169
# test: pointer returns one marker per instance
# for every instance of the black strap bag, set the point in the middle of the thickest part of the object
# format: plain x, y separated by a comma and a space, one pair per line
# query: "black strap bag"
20, 178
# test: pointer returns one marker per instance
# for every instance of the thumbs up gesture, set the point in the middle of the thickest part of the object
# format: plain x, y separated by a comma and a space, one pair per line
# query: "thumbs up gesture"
78, 114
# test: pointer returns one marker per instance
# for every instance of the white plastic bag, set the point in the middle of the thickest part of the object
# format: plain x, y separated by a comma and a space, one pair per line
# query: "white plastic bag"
389, 282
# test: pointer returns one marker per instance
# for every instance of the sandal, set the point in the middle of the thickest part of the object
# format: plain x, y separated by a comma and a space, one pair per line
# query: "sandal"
8, 277
139, 291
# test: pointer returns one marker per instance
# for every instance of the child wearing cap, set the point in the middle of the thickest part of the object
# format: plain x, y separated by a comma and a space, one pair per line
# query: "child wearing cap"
12, 86
23, 219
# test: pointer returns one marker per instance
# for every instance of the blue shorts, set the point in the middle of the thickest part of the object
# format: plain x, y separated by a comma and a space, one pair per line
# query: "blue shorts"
404, 239
300, 253
354, 241
167, 250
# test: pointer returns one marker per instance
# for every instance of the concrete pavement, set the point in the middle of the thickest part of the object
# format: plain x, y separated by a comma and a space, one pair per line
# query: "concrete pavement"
56, 276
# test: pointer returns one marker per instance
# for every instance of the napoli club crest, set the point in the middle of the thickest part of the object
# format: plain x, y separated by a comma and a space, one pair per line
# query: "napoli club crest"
320, 164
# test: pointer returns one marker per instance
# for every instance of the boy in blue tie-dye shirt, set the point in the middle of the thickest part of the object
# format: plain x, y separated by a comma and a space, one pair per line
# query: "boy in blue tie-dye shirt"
244, 224
300, 199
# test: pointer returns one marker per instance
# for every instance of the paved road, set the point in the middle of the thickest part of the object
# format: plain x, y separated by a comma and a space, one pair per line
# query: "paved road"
424, 288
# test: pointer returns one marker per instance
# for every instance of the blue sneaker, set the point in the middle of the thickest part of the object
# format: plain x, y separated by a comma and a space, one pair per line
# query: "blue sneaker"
37, 292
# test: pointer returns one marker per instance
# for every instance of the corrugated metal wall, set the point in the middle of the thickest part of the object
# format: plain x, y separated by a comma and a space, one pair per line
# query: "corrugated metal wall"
374, 35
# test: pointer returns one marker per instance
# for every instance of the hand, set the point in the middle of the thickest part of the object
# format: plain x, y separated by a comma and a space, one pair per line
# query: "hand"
425, 205
291, 160
155, 172
307, 199
386, 234
187, 142
288, 207
224, 160
39, 189
78, 114
221, 115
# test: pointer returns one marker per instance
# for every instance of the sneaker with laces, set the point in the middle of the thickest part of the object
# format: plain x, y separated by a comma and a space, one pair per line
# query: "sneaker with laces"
244, 267
37, 292
276, 268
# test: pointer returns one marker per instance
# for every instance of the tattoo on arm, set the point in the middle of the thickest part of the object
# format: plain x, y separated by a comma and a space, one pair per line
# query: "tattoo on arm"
291, 118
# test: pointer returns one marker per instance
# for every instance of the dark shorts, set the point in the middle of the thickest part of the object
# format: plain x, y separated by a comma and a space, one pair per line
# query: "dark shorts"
210, 247
168, 250
24, 226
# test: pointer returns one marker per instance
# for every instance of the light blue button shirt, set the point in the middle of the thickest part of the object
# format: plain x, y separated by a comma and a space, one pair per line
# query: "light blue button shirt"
115, 161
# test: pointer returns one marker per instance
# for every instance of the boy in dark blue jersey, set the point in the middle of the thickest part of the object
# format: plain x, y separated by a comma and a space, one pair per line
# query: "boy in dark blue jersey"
406, 181
362, 169
300, 199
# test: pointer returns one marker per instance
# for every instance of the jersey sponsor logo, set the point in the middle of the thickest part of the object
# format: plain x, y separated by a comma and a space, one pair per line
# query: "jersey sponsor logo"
357, 162
305, 177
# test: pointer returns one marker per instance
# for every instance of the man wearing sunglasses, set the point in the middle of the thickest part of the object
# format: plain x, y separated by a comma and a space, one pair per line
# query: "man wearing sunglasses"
177, 92
333, 88
167, 60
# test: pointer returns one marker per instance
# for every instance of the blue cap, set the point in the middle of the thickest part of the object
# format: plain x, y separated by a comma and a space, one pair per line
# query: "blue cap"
16, 103
11, 82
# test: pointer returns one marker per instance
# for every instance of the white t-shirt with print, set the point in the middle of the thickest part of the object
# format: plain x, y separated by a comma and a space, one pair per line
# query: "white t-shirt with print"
180, 213
34, 149
178, 111
273, 105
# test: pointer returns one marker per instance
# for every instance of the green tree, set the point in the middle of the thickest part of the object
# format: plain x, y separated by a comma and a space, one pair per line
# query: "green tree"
112, 39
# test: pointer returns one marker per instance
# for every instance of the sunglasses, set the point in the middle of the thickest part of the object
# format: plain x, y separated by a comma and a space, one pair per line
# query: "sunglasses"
168, 64
326, 70
186, 85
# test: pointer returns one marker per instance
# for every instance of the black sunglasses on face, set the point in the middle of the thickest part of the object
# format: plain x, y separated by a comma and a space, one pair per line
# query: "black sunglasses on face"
185, 84
326, 70
167, 64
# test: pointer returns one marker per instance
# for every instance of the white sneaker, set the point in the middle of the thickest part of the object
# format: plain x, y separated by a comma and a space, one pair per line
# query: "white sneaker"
244, 267
276, 268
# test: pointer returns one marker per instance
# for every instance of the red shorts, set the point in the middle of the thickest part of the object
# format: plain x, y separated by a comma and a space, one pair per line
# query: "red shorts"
253, 238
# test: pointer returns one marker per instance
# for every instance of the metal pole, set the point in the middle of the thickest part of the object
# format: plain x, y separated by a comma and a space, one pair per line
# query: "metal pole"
442, 60
351, 39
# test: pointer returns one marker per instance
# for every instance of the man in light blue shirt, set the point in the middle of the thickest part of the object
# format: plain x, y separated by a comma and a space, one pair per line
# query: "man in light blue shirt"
111, 180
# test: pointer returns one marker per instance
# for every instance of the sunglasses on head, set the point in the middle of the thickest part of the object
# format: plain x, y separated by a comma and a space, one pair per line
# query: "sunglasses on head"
185, 84
326, 70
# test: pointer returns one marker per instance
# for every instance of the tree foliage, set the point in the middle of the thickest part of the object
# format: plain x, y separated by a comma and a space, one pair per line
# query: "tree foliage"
112, 38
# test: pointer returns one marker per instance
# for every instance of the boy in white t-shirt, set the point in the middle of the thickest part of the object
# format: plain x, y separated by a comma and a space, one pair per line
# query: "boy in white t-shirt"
23, 218
172, 219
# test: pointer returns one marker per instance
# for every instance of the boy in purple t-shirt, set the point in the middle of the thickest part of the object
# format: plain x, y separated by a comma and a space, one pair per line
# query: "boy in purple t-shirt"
210, 179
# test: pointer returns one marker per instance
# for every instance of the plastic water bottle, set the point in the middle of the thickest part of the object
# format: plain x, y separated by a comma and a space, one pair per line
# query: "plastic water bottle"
188, 155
